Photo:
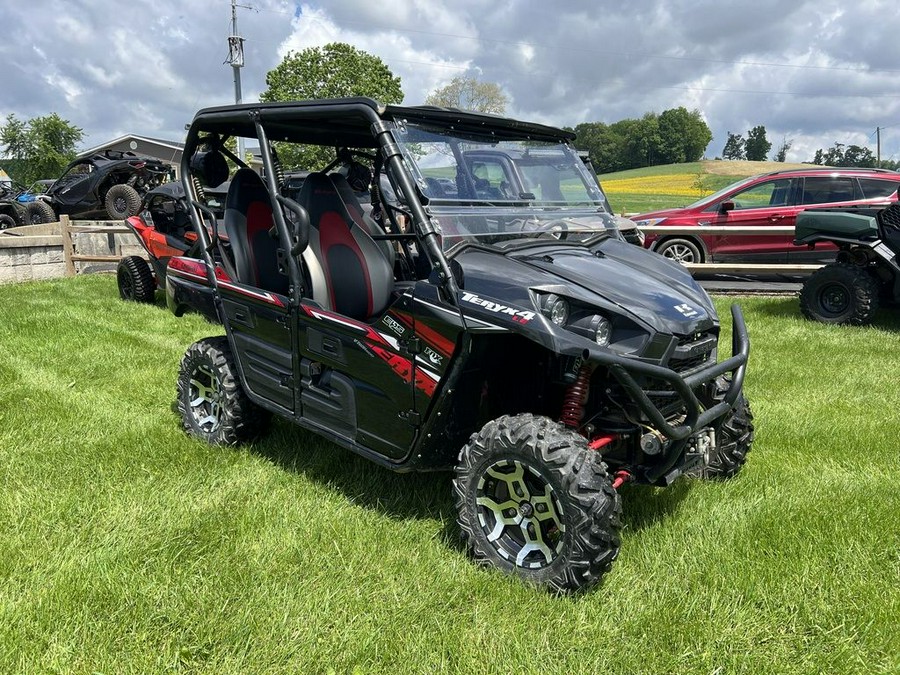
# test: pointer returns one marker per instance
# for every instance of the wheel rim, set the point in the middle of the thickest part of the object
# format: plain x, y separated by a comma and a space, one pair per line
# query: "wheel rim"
205, 399
680, 253
834, 299
126, 285
520, 514
120, 204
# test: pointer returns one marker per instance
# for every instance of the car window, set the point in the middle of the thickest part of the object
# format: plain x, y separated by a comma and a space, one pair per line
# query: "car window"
827, 189
873, 187
763, 195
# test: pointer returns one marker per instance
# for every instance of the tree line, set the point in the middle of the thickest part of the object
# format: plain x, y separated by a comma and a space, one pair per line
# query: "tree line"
41, 147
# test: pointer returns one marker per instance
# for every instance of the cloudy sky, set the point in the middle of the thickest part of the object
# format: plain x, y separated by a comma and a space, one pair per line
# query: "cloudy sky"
815, 72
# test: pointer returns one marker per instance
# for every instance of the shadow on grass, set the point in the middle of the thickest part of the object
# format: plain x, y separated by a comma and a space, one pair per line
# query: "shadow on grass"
644, 506
887, 317
397, 495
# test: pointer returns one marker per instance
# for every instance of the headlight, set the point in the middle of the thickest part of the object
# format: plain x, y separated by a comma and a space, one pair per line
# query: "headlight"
555, 308
602, 330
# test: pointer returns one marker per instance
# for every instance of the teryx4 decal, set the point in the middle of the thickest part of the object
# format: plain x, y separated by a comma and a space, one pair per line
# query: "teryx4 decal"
517, 315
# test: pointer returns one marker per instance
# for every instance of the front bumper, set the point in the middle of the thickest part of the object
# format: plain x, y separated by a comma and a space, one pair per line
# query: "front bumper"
697, 416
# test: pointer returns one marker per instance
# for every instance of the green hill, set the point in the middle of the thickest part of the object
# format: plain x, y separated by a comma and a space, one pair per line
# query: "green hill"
672, 185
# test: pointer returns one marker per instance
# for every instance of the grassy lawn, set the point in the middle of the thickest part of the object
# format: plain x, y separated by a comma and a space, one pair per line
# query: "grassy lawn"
127, 547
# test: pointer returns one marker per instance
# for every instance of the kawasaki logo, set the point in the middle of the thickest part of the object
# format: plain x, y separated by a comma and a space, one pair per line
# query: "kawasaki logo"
519, 315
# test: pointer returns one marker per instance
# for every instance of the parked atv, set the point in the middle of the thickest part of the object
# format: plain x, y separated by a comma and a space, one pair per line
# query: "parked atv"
20, 206
163, 228
849, 290
515, 339
107, 185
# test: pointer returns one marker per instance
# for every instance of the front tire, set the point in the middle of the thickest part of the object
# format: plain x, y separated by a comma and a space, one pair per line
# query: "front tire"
534, 501
840, 293
7, 221
210, 399
122, 201
135, 279
735, 440
684, 251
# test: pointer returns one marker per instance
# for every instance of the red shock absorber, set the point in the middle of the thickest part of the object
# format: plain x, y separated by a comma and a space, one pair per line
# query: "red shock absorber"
575, 398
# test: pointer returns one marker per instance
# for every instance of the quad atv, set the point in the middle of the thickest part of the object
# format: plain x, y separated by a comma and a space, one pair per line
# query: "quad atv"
163, 228
20, 206
110, 185
866, 271
515, 339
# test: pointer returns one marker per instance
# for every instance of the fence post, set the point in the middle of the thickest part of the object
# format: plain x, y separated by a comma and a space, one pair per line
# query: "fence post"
68, 245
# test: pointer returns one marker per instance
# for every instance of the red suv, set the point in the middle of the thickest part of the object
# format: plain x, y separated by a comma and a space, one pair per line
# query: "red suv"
768, 199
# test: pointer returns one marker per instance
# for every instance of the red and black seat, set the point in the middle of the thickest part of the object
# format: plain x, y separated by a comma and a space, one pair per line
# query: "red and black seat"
360, 217
348, 271
248, 219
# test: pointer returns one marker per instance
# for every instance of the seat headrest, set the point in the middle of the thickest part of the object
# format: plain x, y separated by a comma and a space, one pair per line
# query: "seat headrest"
358, 175
210, 167
246, 186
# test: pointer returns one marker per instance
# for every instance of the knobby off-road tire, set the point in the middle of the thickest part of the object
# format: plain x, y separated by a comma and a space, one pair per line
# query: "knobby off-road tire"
121, 202
684, 251
210, 399
840, 293
733, 442
135, 279
39, 212
7, 221
534, 501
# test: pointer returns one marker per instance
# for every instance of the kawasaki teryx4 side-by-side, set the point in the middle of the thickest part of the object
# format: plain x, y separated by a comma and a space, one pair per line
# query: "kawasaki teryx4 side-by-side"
482, 320
866, 272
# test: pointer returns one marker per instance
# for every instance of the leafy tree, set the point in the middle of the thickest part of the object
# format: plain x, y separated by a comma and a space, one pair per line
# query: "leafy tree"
734, 147
781, 153
683, 136
333, 71
757, 146
38, 148
468, 93
839, 155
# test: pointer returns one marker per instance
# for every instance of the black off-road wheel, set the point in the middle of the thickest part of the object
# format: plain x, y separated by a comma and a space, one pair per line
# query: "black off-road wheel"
135, 279
7, 221
121, 202
39, 212
534, 501
733, 442
684, 251
840, 293
210, 399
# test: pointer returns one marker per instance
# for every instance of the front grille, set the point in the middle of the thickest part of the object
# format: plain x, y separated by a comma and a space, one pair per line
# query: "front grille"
692, 353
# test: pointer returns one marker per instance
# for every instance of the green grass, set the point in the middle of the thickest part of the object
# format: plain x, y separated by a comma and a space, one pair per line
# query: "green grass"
129, 548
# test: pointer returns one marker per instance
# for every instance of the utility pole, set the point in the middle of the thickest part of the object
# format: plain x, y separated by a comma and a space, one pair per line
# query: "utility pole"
878, 147
236, 59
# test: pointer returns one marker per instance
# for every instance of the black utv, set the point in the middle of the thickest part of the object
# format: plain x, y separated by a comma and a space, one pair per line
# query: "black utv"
473, 322
109, 184
866, 271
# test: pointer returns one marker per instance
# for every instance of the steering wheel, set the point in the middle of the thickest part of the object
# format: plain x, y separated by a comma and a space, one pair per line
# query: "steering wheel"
558, 228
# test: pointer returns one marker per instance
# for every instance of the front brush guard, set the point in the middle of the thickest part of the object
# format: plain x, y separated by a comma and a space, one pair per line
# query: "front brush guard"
624, 370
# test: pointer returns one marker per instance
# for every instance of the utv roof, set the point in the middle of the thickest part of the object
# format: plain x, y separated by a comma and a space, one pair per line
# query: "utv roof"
348, 121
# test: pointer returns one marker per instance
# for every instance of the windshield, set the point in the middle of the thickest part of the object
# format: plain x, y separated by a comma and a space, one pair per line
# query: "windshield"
494, 192
721, 193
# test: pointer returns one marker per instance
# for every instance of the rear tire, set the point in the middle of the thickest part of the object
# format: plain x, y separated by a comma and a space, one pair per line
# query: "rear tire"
684, 251
39, 212
7, 221
122, 201
840, 293
534, 501
210, 399
135, 280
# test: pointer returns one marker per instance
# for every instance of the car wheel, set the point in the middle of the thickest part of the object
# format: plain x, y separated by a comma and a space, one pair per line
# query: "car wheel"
684, 251
122, 201
210, 399
7, 221
840, 293
534, 501
39, 212
135, 279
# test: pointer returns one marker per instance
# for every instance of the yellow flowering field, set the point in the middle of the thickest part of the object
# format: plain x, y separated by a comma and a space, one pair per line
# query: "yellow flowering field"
682, 185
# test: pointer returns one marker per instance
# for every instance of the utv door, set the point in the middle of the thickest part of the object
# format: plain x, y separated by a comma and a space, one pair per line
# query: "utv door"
260, 326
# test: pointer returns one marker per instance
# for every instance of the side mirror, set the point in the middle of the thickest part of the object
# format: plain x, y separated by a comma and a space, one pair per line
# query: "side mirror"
299, 224
726, 206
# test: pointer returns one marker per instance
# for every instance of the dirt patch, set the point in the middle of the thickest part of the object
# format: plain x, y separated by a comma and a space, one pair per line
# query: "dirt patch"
745, 168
